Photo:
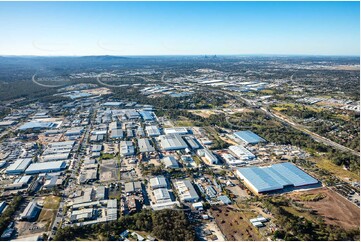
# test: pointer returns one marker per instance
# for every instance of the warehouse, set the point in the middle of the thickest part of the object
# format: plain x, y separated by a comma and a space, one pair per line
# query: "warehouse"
126, 148
19, 166
46, 167
192, 142
172, 142
161, 195
132, 187
241, 152
152, 131
279, 177
116, 134
170, 162
176, 130
186, 191
208, 155
145, 146
248, 137
31, 211
147, 115
55, 157
74, 131
233, 161
158, 182
38, 125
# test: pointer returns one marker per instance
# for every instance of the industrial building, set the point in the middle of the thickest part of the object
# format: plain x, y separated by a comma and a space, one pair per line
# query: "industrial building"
192, 142
233, 161
248, 137
147, 115
158, 182
162, 195
19, 166
133, 187
186, 191
179, 130
152, 130
116, 134
145, 146
31, 211
37, 125
172, 142
126, 148
208, 155
242, 153
278, 177
46, 167
170, 162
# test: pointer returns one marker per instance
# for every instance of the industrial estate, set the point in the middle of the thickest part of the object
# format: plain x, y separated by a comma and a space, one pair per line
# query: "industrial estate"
184, 148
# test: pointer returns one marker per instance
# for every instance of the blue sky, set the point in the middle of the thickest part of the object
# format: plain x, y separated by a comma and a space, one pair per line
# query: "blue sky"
179, 28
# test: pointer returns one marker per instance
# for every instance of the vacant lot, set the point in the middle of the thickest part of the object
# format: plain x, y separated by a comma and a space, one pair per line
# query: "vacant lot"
48, 213
109, 170
235, 224
334, 209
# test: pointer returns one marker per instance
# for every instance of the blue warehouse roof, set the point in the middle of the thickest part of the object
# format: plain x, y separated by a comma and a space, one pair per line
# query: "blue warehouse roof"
249, 137
275, 177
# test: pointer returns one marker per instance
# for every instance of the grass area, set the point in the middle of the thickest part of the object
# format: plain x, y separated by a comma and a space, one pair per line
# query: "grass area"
50, 207
312, 197
298, 213
336, 170
285, 106
107, 156
267, 91
183, 123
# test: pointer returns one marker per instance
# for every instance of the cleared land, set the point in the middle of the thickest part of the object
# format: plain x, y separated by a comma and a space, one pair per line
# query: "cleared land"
48, 213
333, 208
235, 224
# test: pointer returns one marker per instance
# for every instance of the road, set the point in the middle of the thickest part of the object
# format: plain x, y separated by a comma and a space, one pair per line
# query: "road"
315, 136
300, 127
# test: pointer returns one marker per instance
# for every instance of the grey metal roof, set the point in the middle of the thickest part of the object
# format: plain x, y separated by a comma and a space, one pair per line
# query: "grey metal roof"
249, 137
276, 177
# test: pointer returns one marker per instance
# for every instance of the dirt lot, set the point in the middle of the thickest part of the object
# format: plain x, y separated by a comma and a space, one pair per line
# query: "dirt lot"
335, 209
109, 170
235, 224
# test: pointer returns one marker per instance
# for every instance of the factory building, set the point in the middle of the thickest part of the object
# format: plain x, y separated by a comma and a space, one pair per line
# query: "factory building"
242, 153
152, 131
147, 115
31, 212
172, 142
19, 166
145, 146
179, 130
116, 134
46, 167
208, 155
192, 143
162, 195
158, 182
279, 177
186, 191
170, 162
126, 148
248, 137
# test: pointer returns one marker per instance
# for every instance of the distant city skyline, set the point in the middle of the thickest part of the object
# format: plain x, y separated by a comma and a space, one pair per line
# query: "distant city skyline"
179, 28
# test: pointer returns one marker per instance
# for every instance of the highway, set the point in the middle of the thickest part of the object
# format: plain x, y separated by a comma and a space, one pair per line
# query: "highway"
300, 127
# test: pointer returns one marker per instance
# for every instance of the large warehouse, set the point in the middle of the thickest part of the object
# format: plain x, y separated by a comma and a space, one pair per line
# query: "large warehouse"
19, 166
46, 167
172, 142
248, 137
278, 177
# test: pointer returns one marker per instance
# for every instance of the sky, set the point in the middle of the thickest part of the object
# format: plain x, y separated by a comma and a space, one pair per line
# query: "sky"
179, 28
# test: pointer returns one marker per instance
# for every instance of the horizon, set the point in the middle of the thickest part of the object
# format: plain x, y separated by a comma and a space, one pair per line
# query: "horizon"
180, 28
